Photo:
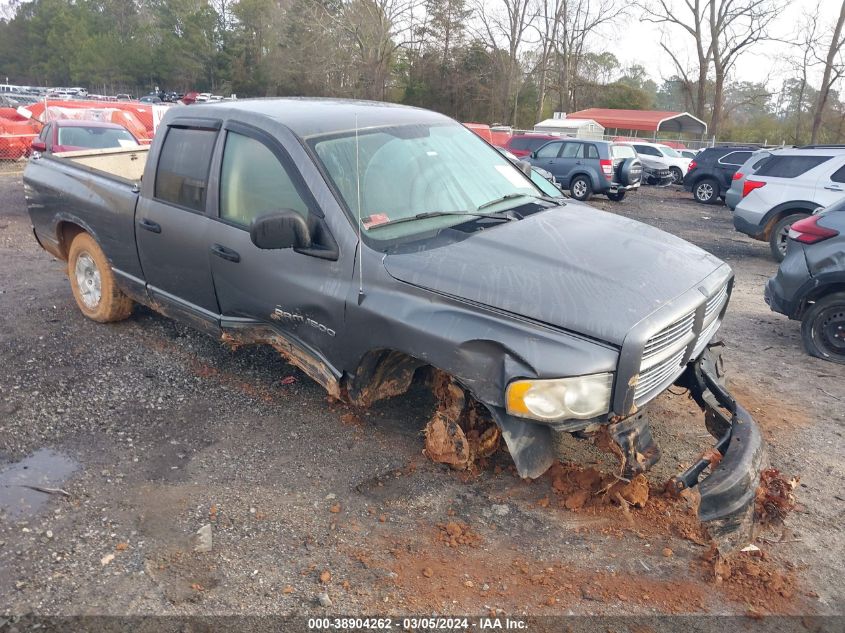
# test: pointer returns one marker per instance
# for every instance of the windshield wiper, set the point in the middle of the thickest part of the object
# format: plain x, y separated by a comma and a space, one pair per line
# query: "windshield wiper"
438, 214
508, 196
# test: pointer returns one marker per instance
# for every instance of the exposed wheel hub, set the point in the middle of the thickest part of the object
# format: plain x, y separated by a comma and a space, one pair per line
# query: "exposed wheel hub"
88, 280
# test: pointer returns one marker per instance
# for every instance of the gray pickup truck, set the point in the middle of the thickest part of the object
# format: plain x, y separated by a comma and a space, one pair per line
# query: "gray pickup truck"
371, 244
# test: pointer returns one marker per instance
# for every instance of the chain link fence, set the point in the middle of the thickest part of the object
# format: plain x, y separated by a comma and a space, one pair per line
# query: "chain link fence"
15, 150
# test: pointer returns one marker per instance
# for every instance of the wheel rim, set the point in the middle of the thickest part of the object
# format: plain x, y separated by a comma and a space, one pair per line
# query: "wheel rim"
783, 235
832, 329
88, 280
705, 191
677, 176
579, 189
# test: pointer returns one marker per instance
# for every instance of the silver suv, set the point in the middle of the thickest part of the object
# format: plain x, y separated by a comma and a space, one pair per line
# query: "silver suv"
790, 186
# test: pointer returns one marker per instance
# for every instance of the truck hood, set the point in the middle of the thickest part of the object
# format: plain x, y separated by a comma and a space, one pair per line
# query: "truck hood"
571, 267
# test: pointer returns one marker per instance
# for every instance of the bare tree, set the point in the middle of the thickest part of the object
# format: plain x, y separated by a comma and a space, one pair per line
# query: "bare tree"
735, 26
833, 69
722, 30
806, 41
376, 30
692, 19
504, 24
578, 19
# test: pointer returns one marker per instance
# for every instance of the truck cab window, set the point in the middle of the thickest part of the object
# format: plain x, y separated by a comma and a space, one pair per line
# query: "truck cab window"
253, 182
182, 174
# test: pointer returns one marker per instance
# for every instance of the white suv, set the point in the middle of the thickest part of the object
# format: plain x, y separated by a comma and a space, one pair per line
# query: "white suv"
789, 186
659, 155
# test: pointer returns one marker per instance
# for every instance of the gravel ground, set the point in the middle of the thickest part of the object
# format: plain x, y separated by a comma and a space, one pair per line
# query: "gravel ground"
154, 431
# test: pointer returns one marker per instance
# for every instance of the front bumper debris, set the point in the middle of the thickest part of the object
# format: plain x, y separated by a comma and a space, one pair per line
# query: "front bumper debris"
735, 462
727, 493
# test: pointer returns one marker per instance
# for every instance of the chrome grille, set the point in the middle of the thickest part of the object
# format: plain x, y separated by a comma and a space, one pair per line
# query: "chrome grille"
655, 377
669, 336
715, 303
665, 352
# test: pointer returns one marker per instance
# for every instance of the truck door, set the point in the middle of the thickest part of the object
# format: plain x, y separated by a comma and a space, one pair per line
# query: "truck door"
171, 226
281, 291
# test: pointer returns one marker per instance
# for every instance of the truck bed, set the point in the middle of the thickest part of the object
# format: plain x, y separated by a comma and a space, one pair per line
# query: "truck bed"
127, 164
93, 189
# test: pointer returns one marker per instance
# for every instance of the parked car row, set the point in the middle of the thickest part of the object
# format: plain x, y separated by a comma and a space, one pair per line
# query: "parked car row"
586, 167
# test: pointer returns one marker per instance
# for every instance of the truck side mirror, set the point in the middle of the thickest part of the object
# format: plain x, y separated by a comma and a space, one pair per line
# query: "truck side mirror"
39, 146
281, 229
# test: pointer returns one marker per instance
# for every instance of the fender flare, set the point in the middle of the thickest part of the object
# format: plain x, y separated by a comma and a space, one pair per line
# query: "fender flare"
783, 209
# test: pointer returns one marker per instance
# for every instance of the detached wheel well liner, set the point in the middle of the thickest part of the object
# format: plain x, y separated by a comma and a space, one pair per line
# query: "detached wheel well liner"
381, 373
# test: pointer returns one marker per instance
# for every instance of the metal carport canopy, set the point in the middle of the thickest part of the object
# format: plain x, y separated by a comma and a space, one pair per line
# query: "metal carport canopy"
643, 120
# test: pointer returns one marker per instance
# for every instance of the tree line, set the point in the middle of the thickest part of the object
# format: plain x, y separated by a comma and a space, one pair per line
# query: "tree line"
496, 61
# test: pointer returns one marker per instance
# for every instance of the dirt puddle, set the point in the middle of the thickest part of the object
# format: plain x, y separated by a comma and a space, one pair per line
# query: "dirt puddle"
26, 485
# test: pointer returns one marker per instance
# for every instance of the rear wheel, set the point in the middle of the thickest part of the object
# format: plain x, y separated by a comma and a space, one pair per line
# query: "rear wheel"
580, 188
616, 196
706, 191
92, 282
823, 328
780, 234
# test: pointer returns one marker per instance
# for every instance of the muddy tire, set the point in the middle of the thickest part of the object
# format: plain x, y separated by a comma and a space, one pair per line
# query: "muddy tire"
92, 282
823, 328
780, 233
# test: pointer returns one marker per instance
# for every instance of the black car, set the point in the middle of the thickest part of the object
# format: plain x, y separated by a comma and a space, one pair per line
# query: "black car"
710, 174
810, 283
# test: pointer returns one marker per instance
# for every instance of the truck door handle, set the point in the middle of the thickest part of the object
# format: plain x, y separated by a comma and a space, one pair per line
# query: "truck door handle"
225, 253
149, 225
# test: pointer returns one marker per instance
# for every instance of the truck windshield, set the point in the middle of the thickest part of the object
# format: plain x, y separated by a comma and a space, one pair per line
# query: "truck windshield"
408, 170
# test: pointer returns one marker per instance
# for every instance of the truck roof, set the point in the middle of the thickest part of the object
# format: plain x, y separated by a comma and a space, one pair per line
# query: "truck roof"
309, 116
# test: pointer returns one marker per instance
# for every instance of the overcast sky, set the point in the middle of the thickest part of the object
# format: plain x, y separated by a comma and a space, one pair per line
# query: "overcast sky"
767, 61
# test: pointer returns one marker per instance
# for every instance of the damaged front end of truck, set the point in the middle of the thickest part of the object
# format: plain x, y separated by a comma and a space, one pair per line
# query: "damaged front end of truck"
672, 346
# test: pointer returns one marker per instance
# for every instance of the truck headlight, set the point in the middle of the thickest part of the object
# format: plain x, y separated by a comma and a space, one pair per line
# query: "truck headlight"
576, 398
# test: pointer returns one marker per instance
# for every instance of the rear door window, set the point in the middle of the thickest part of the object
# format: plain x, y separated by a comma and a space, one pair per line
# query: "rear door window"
182, 172
592, 152
839, 175
572, 150
790, 166
735, 158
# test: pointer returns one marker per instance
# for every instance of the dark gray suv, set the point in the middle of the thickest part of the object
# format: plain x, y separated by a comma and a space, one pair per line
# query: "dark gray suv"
586, 167
810, 283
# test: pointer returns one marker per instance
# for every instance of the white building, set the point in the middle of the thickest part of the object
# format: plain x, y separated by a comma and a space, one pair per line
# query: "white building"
577, 128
